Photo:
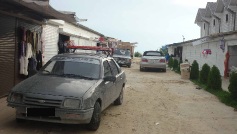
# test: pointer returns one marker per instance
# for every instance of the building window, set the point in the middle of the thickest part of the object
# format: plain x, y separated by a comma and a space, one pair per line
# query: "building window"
214, 22
226, 17
204, 26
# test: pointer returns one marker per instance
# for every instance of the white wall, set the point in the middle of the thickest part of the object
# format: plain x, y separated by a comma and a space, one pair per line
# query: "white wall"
204, 32
77, 31
217, 57
51, 42
226, 26
214, 28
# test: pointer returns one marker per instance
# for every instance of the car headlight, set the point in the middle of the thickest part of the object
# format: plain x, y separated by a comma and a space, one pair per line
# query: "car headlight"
71, 103
16, 97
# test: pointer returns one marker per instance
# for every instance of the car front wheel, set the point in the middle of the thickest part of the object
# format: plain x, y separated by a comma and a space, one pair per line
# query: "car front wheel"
119, 100
95, 119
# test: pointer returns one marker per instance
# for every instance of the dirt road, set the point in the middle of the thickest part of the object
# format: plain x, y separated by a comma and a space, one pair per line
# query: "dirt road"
154, 103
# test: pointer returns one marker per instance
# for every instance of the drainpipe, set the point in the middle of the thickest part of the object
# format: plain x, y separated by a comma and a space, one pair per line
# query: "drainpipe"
234, 16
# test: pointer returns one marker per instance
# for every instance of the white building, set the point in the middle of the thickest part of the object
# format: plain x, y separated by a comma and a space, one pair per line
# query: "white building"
58, 31
218, 33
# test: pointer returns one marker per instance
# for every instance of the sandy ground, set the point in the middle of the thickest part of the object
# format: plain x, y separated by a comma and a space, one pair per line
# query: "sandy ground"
154, 103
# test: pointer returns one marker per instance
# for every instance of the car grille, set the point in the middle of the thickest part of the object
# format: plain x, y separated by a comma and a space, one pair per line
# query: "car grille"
42, 102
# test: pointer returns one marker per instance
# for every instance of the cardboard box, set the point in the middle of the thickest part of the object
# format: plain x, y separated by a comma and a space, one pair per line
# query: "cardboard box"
184, 65
185, 74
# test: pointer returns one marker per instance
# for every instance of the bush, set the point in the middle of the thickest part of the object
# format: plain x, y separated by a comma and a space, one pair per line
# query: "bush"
171, 62
178, 70
214, 79
175, 64
233, 85
137, 54
194, 74
204, 73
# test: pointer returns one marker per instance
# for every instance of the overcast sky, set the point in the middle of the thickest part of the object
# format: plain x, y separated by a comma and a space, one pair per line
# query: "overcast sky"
151, 23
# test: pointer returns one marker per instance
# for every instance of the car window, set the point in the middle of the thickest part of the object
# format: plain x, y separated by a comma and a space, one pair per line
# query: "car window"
125, 52
152, 53
107, 69
114, 68
73, 67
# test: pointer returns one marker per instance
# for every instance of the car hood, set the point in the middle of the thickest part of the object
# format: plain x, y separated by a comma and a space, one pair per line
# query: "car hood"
53, 85
121, 56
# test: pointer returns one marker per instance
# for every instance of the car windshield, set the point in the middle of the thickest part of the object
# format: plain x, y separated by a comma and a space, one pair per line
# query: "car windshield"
152, 53
122, 52
86, 68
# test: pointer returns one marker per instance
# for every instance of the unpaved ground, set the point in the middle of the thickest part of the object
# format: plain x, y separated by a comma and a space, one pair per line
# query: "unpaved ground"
154, 103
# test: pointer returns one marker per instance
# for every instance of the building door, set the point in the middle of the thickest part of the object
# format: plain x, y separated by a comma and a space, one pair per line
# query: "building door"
7, 53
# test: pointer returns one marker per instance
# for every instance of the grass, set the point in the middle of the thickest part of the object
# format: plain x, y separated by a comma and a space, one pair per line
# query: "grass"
224, 96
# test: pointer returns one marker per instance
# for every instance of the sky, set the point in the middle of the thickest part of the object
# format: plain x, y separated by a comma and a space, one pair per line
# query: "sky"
150, 23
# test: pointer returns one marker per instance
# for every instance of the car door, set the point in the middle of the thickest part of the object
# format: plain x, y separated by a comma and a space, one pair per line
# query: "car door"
109, 86
119, 78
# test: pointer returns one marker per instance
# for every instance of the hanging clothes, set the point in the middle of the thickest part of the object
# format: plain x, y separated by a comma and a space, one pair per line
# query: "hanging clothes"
29, 52
39, 60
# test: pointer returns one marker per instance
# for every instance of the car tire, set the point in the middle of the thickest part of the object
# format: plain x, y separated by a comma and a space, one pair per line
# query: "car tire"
119, 100
95, 119
164, 70
129, 66
141, 69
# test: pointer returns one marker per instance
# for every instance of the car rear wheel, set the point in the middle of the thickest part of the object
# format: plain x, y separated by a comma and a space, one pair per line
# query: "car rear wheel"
95, 119
119, 100
141, 69
129, 66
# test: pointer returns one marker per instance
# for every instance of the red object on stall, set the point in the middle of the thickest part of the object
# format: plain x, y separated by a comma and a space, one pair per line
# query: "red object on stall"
101, 39
90, 48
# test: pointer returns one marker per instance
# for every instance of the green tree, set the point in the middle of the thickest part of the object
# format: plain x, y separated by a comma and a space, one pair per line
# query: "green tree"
233, 85
175, 64
138, 54
171, 62
214, 79
180, 62
194, 74
204, 73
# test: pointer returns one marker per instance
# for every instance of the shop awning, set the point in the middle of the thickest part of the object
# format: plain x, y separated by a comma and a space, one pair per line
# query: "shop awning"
37, 10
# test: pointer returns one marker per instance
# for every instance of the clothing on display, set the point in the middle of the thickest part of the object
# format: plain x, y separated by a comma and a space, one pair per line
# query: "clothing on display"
29, 58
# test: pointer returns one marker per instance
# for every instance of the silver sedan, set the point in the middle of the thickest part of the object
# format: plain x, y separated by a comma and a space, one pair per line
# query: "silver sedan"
153, 59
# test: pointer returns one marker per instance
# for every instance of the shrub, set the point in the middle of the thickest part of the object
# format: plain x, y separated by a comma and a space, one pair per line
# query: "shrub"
175, 64
137, 54
171, 62
214, 79
204, 73
194, 74
233, 85
178, 70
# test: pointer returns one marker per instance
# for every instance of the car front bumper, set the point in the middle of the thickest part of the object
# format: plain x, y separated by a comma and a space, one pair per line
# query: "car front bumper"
123, 62
61, 115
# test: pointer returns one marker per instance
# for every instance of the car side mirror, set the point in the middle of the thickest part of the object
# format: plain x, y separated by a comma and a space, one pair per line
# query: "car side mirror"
110, 78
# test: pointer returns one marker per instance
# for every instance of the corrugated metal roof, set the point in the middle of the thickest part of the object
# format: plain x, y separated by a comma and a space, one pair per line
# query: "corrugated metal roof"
210, 36
34, 9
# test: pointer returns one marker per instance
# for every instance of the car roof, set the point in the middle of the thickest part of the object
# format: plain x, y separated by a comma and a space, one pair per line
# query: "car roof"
88, 55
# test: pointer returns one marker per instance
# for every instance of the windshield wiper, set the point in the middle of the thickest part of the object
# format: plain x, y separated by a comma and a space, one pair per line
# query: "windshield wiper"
76, 75
46, 71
